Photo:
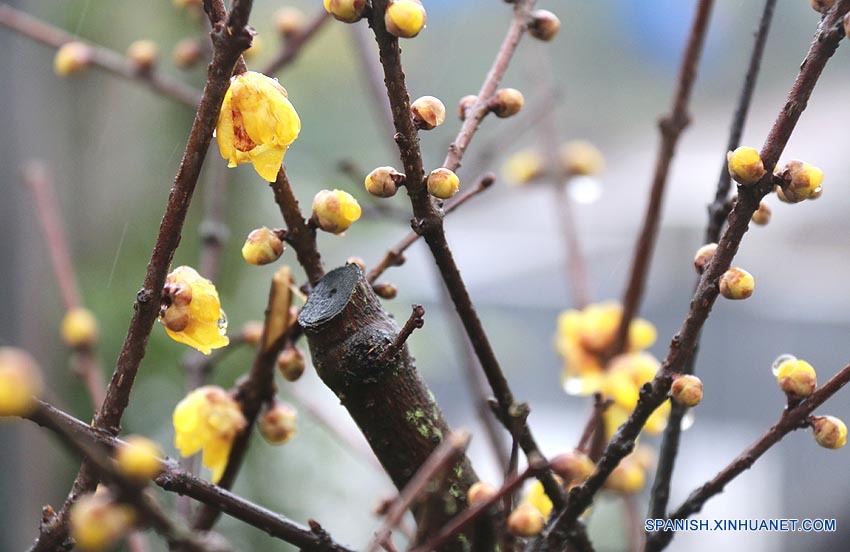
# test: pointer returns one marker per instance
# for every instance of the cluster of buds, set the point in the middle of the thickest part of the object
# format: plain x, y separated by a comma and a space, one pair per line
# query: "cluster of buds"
144, 55
289, 21
686, 390
79, 328
20, 382
263, 246
428, 112
543, 25
506, 102
575, 158
334, 211
278, 424
138, 458
405, 18
191, 311
98, 522
800, 181
384, 182
291, 363
72, 58
443, 183
737, 283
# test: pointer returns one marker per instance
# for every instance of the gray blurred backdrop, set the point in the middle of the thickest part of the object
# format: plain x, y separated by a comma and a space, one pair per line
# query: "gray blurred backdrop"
114, 148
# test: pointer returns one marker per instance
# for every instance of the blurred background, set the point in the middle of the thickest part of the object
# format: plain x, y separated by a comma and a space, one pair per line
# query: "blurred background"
114, 147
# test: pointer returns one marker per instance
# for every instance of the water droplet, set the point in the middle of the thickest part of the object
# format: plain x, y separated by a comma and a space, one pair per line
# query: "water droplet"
222, 322
575, 385
584, 189
780, 360
688, 420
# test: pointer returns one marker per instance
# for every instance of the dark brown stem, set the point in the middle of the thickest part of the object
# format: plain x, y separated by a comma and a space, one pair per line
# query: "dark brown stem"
790, 420
395, 255
175, 480
292, 47
229, 41
104, 58
717, 213
593, 425
300, 234
438, 463
671, 127
414, 322
652, 395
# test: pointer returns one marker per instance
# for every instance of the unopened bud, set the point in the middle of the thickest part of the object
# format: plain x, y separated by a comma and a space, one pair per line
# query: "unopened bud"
797, 378
279, 423
821, 6
526, 521
464, 104
762, 214
263, 246
737, 283
479, 492
802, 181
745, 165
186, 53
20, 382
572, 466
405, 18
383, 182
385, 290
829, 431
138, 458
79, 328
581, 158
428, 112
143, 54
703, 256
98, 522
347, 11
627, 478
289, 21
543, 25
291, 363
507, 102
687, 390
72, 58
335, 211
252, 332
443, 183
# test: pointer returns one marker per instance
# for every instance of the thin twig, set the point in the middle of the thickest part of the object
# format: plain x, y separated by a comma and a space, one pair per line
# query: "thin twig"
717, 213
671, 127
104, 58
652, 395
292, 47
414, 322
592, 427
439, 461
300, 234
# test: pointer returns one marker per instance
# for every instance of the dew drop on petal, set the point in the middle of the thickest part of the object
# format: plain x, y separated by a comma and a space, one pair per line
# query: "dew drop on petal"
780, 360
222, 322
584, 189
688, 420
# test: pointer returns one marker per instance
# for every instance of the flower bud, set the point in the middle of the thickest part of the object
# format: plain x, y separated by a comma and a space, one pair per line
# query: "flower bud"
20, 382
289, 21
525, 521
405, 18
144, 54
334, 211
704, 256
479, 492
186, 53
263, 246
384, 182
361, 264
572, 466
279, 423
737, 283
821, 6
745, 165
762, 214
385, 290
176, 318
507, 102
252, 332
72, 58
443, 183
138, 458
543, 25
79, 328
428, 112
98, 523
523, 167
581, 158
829, 431
627, 478
347, 11
802, 181
291, 363
686, 390
796, 378
464, 104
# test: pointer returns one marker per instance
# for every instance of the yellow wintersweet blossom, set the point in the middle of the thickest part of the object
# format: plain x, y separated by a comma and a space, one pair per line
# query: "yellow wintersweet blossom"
523, 167
20, 382
98, 522
257, 124
535, 495
208, 419
191, 311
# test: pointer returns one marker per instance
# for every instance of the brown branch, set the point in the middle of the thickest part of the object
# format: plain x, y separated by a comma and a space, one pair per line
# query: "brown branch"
104, 58
300, 234
440, 460
671, 127
175, 480
292, 47
594, 423
229, 41
717, 213
414, 322
652, 395
395, 255
790, 420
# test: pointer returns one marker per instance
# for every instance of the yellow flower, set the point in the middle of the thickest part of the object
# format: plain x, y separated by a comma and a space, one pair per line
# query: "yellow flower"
335, 211
191, 311
98, 522
523, 167
208, 419
536, 497
20, 381
628, 477
581, 158
79, 328
256, 124
138, 458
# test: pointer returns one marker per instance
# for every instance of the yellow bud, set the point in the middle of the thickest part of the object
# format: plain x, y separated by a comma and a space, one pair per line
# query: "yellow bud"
138, 458
581, 158
291, 363
802, 181
334, 211
507, 102
428, 112
20, 382
252, 332
279, 423
543, 25
347, 11
737, 283
464, 104
821, 6
262, 247
762, 214
523, 167
745, 165
627, 478
289, 21
79, 328
405, 18
443, 183
386, 290
143, 54
383, 182
687, 390
186, 53
98, 523
829, 431
479, 492
72, 58
572, 466
797, 378
526, 521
